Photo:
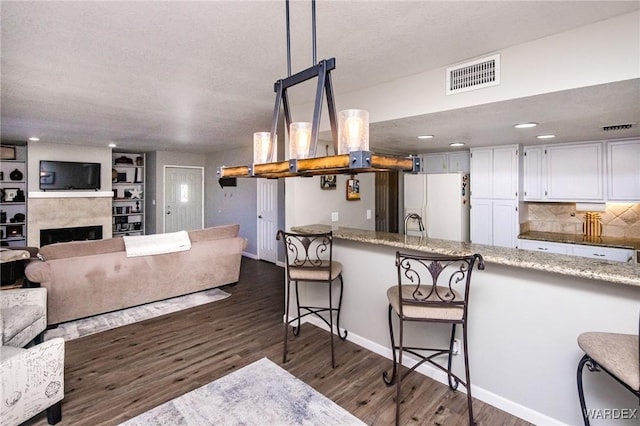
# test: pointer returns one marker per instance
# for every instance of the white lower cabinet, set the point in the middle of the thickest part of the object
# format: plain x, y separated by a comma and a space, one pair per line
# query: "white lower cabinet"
594, 252
494, 222
603, 253
544, 246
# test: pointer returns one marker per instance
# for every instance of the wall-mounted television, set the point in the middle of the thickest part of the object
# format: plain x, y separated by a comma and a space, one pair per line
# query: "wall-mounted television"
69, 175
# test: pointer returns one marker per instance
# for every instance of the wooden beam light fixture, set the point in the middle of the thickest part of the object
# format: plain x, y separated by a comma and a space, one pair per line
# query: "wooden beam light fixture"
350, 141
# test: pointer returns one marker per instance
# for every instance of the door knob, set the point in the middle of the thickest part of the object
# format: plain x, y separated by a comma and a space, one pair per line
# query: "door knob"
259, 216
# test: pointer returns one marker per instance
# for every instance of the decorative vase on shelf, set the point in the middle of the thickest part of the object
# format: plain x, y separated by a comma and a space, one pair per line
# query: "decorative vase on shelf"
19, 196
16, 175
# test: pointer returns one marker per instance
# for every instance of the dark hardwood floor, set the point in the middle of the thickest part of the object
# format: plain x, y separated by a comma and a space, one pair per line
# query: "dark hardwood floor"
118, 374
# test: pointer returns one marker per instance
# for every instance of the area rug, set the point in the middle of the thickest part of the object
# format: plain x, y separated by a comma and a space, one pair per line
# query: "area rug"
91, 325
261, 393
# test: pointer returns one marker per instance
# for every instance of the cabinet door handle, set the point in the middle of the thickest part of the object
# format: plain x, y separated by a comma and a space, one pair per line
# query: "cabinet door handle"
599, 254
543, 248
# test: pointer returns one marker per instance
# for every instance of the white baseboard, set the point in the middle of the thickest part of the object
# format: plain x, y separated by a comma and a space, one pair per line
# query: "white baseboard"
250, 255
481, 394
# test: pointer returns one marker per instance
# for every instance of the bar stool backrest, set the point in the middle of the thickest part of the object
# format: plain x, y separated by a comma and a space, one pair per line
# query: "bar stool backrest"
435, 280
308, 252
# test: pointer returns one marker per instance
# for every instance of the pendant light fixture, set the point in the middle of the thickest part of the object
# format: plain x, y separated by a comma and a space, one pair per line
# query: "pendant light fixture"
350, 136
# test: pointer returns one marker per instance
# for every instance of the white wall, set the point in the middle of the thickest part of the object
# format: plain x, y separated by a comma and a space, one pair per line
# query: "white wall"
37, 151
308, 204
232, 204
523, 327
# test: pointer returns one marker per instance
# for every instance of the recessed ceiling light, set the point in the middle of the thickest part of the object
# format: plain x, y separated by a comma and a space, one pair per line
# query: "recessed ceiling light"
112, 145
546, 136
525, 125
456, 144
34, 139
425, 137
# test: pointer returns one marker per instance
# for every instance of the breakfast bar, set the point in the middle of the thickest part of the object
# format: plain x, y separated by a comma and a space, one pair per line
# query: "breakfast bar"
526, 310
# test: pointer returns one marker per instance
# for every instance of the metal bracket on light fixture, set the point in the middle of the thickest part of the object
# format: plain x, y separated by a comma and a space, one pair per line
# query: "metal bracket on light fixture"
322, 70
354, 162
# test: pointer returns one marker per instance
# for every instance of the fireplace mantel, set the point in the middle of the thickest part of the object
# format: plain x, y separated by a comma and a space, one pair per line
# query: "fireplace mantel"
71, 194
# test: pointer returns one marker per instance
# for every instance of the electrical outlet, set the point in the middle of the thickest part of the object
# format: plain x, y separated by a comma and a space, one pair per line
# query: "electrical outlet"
456, 346
334, 217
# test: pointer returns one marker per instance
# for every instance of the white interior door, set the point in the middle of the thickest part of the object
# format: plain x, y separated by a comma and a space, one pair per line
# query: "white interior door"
267, 219
183, 198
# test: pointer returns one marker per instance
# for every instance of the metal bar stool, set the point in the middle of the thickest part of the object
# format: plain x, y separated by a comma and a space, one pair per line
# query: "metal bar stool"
616, 354
431, 289
308, 258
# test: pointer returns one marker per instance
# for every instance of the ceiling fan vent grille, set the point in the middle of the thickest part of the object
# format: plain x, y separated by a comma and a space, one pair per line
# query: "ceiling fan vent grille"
473, 75
617, 127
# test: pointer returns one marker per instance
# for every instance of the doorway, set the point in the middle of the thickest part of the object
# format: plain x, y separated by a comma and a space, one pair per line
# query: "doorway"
183, 198
267, 224
386, 201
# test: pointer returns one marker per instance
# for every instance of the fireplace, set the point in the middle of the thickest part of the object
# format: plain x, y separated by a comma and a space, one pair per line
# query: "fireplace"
63, 235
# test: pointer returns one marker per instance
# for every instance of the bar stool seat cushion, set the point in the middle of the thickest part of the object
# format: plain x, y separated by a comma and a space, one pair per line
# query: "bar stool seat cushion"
617, 353
440, 312
314, 272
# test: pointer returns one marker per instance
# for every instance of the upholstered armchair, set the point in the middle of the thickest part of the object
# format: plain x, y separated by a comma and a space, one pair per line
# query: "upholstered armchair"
23, 315
31, 381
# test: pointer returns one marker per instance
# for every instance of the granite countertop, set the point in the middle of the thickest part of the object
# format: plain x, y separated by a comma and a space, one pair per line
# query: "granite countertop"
555, 237
614, 272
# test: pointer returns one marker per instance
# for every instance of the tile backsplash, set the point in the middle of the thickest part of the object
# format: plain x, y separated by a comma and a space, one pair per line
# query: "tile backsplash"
621, 220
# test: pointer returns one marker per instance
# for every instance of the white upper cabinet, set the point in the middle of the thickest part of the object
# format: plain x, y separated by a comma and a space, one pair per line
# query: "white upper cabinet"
572, 172
458, 162
534, 173
623, 170
505, 173
481, 172
446, 162
575, 172
435, 163
494, 172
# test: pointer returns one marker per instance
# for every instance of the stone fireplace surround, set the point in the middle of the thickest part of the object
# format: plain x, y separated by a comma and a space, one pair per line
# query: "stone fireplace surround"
62, 210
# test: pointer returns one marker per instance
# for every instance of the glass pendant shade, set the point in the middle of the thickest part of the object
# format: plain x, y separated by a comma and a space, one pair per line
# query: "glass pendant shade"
353, 131
261, 142
299, 140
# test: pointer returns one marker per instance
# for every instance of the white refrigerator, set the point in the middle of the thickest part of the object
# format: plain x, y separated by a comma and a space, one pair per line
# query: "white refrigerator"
442, 200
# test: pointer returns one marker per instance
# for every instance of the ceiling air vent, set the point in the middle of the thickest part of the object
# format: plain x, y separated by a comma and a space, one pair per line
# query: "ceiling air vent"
617, 127
473, 75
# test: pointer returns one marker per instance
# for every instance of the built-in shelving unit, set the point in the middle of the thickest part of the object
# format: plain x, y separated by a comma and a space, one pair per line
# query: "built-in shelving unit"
13, 196
128, 177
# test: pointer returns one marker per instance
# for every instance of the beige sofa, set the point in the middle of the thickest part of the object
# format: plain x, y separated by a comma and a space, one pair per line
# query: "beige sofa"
92, 277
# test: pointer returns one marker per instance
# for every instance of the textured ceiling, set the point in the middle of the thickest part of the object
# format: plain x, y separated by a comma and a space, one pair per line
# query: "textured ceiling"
198, 76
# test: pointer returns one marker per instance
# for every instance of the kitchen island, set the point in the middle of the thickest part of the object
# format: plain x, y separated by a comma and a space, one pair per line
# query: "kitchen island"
526, 311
